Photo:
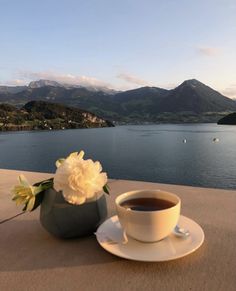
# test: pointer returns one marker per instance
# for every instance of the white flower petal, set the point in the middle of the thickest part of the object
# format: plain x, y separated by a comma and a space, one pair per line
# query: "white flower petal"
79, 179
59, 162
30, 204
81, 155
23, 181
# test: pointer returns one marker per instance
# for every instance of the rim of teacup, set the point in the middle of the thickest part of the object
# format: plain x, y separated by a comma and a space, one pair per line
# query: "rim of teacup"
121, 198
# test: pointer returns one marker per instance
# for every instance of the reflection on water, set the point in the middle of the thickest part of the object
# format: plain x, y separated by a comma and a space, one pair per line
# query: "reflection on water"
151, 153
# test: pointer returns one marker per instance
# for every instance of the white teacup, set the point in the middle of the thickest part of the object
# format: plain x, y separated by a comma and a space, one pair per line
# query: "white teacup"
151, 225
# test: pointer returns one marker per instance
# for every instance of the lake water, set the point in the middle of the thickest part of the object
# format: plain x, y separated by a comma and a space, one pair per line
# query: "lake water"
154, 153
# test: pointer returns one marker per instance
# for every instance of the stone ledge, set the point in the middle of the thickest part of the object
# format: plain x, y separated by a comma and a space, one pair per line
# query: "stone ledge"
31, 259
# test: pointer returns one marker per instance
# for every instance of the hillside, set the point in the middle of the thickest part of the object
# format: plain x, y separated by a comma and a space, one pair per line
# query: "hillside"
191, 101
45, 115
229, 119
139, 101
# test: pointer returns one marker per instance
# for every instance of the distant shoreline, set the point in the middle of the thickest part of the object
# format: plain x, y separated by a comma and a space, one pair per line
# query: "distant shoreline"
117, 125
48, 130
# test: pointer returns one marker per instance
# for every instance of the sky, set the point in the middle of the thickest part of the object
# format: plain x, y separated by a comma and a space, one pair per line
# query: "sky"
121, 44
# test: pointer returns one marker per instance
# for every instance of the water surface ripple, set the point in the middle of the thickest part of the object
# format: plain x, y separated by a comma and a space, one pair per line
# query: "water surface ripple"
153, 153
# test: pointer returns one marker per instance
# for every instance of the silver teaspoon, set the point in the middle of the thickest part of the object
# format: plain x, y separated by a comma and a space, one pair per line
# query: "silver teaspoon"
181, 232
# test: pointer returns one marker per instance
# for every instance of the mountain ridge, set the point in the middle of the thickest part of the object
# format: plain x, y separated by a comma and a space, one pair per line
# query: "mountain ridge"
144, 104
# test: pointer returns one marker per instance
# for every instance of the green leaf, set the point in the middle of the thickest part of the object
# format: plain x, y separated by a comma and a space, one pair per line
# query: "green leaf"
106, 189
44, 182
38, 200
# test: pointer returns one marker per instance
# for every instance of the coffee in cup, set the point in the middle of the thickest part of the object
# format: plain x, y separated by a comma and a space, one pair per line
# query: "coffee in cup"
148, 215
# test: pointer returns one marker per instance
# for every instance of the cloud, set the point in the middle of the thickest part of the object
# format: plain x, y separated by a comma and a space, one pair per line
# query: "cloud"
69, 79
230, 91
16, 82
208, 51
169, 86
132, 79
24, 77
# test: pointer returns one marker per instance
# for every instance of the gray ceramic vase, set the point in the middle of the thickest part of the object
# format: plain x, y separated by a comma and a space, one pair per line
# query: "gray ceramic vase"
66, 220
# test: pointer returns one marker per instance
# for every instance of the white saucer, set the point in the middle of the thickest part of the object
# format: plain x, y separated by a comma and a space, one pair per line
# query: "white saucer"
170, 248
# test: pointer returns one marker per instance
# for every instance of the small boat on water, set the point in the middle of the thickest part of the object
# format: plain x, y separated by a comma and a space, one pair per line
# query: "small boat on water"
216, 139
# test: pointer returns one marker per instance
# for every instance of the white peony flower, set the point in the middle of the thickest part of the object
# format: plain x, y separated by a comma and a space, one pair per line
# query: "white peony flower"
78, 179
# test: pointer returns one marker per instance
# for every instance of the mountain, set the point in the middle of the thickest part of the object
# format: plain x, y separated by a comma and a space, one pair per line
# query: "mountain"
98, 102
194, 96
139, 101
191, 101
12, 89
43, 83
46, 115
229, 119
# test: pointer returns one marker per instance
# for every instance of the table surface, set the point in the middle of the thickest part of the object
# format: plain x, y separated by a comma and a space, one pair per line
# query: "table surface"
32, 259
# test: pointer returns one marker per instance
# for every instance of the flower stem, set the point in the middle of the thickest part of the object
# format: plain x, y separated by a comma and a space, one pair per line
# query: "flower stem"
10, 218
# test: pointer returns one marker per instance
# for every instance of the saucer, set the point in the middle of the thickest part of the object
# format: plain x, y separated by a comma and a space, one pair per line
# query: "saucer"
170, 248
